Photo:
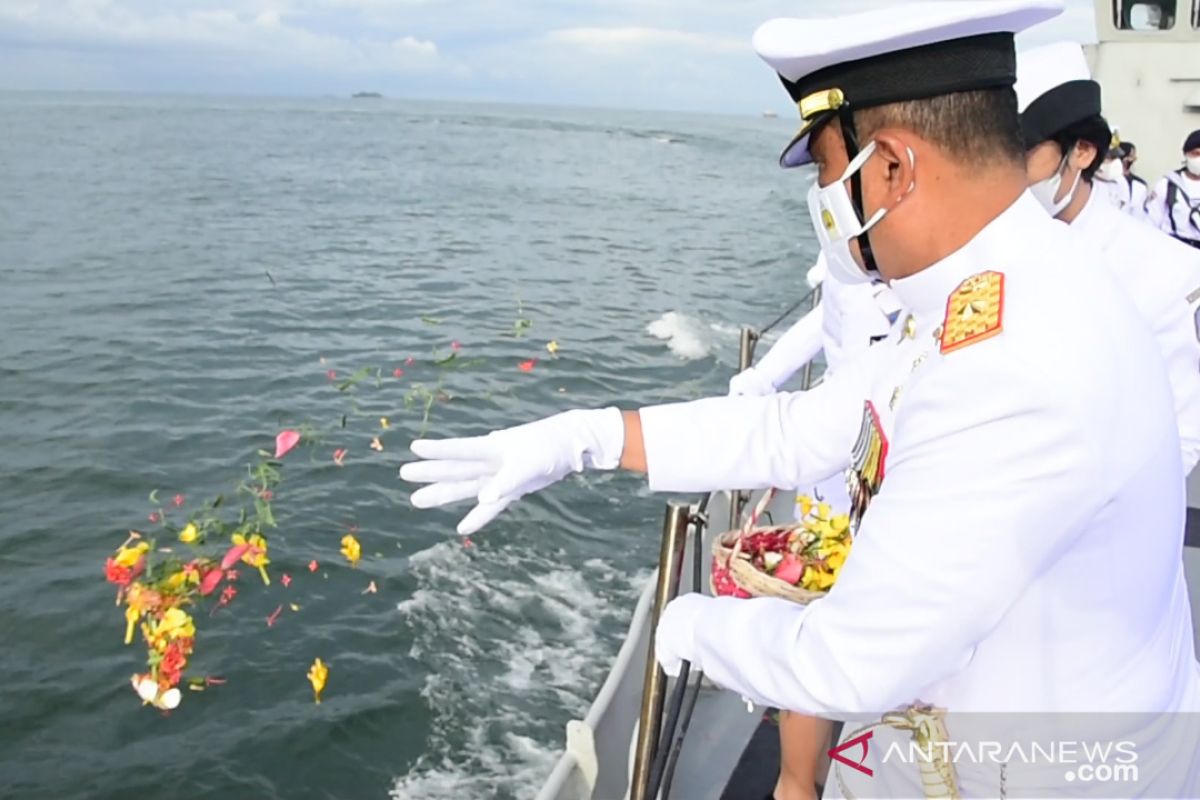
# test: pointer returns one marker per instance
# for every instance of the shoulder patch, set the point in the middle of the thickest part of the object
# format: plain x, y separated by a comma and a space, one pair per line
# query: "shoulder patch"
974, 311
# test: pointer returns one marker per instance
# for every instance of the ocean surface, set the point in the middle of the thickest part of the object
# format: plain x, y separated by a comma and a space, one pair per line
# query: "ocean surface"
178, 278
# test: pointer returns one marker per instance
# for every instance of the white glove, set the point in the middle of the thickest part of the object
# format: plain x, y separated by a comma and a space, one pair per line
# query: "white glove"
505, 465
750, 383
675, 636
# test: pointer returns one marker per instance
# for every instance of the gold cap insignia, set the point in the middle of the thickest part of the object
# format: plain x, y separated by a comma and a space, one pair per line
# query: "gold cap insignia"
819, 102
974, 311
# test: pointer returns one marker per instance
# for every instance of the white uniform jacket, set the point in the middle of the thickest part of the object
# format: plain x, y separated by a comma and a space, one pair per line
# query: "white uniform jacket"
1162, 278
1182, 218
1026, 476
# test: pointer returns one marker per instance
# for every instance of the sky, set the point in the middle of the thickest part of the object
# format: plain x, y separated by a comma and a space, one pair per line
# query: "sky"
657, 54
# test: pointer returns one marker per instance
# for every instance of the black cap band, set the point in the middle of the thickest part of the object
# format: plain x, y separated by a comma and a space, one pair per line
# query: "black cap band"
1058, 109
986, 61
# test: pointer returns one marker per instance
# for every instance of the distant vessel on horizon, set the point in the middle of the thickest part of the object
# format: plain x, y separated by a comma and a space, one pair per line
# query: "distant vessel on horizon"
770, 114
361, 95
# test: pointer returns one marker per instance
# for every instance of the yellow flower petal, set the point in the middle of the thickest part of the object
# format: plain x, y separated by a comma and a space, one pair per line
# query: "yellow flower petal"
189, 533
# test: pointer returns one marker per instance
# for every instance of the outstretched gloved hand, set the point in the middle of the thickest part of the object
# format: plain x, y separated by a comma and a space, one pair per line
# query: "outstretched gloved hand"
750, 383
505, 465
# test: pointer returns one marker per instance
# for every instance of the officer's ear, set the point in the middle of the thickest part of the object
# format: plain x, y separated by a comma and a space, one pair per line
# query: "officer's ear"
899, 166
1083, 154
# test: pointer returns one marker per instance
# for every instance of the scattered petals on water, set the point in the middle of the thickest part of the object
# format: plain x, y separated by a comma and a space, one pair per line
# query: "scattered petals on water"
154, 516
212, 680
234, 555
210, 582
376, 444
408, 362
274, 616
552, 347
385, 423
527, 366
339, 456
286, 580
318, 674
189, 534
455, 345
397, 373
467, 543
178, 500
371, 588
231, 575
351, 549
313, 566
294, 606
322, 360
285, 441
331, 375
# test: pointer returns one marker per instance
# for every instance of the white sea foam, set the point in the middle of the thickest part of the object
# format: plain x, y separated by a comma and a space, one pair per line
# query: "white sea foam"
515, 643
688, 337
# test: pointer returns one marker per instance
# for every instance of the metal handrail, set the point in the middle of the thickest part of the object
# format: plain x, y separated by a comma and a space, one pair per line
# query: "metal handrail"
658, 748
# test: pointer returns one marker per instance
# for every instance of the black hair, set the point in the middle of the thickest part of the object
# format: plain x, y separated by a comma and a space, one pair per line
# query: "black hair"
1093, 130
973, 126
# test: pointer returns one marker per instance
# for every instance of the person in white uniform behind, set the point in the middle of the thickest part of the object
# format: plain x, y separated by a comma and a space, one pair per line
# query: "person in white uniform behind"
1066, 136
1011, 464
1174, 204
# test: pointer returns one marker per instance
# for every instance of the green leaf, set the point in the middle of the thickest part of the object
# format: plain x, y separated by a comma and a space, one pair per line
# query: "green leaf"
431, 321
154, 497
343, 420
441, 362
217, 501
353, 379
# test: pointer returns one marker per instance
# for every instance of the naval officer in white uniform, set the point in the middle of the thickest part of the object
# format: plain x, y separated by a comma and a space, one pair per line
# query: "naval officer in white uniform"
849, 318
1066, 137
1002, 465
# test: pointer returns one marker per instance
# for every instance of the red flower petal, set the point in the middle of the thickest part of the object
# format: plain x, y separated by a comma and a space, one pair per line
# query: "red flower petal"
210, 581
397, 373
286, 580
527, 366
274, 616
313, 566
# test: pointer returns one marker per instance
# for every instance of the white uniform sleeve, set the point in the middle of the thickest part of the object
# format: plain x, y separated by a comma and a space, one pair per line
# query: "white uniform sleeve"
1156, 207
799, 345
788, 439
965, 520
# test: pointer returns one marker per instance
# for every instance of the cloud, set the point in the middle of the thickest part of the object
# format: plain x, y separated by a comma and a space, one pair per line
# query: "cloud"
261, 35
625, 39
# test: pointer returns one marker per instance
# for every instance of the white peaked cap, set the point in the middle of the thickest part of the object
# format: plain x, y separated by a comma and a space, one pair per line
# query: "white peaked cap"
907, 51
1041, 69
1054, 90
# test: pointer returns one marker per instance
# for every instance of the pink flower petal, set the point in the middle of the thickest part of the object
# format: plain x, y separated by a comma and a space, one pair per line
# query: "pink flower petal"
274, 616
455, 346
397, 373
790, 569
234, 555
286, 580
285, 441
527, 366
211, 580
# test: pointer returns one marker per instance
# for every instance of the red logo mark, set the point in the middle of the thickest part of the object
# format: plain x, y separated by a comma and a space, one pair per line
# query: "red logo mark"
836, 753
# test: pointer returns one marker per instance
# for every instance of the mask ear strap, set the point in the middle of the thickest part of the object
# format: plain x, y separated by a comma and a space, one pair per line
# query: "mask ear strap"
849, 136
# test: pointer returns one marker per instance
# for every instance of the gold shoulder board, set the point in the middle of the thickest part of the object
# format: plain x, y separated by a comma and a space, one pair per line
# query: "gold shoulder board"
974, 311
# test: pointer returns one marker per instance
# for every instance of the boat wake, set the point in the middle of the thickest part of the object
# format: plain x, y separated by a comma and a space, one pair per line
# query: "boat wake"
515, 643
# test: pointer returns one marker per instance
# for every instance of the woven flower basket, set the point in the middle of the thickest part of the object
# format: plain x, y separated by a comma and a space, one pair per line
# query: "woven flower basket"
730, 564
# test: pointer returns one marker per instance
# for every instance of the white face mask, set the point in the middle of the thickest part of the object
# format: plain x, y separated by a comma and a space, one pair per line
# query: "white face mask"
1112, 170
1045, 191
1193, 165
836, 222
